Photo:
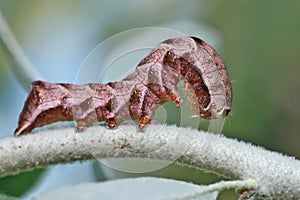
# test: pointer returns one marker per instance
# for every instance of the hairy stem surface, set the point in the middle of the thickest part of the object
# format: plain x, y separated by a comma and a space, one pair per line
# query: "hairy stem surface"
277, 176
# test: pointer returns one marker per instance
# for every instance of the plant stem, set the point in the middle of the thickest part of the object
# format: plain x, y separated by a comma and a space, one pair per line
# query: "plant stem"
244, 185
22, 68
277, 176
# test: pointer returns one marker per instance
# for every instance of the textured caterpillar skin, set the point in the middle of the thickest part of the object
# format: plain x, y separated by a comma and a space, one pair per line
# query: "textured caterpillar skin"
139, 94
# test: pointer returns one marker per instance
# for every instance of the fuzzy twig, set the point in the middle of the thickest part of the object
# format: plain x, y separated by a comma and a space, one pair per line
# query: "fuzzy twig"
277, 176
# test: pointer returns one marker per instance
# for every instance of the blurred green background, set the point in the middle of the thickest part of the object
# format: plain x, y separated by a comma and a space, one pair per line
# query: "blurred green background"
259, 44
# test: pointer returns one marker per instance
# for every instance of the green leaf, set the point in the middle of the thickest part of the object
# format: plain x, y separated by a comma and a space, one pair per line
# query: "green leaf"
5, 197
19, 184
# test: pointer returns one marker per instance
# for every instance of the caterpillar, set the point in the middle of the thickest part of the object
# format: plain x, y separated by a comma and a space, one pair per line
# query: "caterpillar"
136, 97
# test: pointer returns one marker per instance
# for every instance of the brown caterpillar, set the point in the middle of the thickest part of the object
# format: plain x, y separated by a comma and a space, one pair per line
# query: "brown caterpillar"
137, 96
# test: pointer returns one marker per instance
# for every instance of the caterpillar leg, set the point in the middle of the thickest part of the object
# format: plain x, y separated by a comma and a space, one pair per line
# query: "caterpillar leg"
165, 94
144, 121
81, 126
110, 121
143, 103
174, 96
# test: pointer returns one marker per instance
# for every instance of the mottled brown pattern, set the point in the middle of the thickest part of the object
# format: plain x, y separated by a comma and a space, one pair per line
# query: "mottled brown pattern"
137, 96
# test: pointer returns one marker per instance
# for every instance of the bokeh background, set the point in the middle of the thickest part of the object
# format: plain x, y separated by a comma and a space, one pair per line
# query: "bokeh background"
258, 40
